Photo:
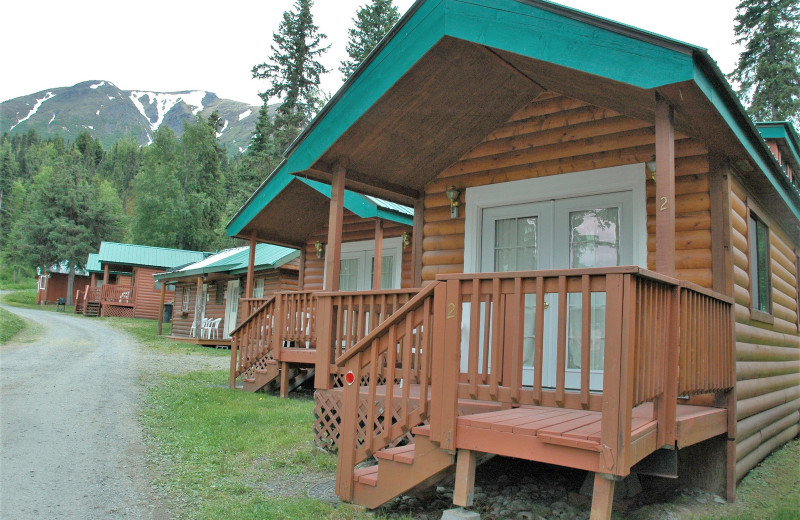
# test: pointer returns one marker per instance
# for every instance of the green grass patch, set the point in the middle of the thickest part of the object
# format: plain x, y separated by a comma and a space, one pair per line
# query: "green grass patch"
26, 298
770, 490
223, 450
10, 325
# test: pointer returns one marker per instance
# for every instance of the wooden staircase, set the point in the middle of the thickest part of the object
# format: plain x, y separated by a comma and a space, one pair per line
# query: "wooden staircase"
92, 309
270, 374
401, 469
261, 377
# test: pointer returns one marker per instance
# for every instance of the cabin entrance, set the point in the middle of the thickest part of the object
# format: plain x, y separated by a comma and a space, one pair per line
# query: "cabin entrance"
231, 307
571, 221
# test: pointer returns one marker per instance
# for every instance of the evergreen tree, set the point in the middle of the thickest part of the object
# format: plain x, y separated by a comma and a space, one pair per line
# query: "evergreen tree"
123, 165
294, 74
768, 70
372, 22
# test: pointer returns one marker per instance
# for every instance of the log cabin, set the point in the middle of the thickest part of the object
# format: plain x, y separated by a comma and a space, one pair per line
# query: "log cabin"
52, 284
122, 282
374, 253
217, 279
605, 255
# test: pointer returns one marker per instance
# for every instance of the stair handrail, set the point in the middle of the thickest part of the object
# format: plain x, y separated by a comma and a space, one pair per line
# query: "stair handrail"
405, 341
252, 315
380, 329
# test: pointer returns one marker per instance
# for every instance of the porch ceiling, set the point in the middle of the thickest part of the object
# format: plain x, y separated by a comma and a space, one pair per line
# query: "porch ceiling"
444, 105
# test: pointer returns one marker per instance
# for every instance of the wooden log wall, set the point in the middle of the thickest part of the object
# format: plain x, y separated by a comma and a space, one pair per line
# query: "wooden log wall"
355, 229
57, 287
767, 356
147, 297
553, 135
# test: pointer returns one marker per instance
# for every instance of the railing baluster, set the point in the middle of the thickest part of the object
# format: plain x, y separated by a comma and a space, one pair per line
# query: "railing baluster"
518, 312
561, 345
391, 361
538, 355
408, 339
474, 338
586, 327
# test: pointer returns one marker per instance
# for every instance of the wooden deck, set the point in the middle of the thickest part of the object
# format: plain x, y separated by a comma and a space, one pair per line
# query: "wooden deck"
202, 341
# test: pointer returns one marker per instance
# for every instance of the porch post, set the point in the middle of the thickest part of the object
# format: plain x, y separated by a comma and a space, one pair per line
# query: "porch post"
92, 280
198, 320
416, 237
377, 266
301, 276
105, 274
251, 260
333, 252
161, 306
665, 188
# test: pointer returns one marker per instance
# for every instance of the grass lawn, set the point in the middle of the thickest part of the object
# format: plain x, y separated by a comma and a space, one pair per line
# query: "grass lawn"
27, 298
10, 325
233, 454
146, 332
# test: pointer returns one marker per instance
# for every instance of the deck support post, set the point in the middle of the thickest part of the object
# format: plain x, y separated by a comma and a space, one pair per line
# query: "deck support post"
602, 497
333, 252
251, 260
284, 379
665, 187
378, 262
161, 306
464, 488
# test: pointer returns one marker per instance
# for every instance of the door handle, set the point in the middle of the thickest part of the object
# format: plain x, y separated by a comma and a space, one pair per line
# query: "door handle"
546, 305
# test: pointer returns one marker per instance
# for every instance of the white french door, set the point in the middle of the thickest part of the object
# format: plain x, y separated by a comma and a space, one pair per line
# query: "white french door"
231, 307
358, 260
568, 233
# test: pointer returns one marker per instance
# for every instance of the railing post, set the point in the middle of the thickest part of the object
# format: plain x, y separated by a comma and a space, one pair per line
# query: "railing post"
612, 433
667, 404
451, 353
324, 325
279, 325
347, 431
234, 355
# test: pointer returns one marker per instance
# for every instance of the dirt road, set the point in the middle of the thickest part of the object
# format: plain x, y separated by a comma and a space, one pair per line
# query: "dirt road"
70, 443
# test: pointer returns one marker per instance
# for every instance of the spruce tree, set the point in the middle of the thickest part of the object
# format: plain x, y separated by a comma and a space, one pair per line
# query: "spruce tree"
293, 71
372, 22
768, 70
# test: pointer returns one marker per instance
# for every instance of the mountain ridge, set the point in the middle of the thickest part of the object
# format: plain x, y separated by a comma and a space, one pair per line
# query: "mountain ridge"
110, 113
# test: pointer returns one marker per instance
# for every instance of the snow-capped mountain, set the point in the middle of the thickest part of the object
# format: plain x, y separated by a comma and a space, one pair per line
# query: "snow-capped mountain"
110, 113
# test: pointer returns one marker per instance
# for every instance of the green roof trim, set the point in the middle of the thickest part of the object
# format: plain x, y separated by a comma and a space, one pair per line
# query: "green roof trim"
367, 207
146, 256
784, 131
234, 261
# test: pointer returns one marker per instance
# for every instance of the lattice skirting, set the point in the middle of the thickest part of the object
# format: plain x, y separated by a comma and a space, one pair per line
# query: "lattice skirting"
117, 312
261, 364
328, 404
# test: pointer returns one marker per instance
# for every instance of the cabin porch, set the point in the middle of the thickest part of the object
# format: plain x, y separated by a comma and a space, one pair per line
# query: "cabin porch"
465, 342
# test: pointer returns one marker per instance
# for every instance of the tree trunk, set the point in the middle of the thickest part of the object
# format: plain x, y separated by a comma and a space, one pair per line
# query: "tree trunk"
70, 284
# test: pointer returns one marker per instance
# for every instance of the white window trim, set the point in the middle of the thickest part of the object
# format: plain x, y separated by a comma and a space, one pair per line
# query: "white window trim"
568, 185
391, 247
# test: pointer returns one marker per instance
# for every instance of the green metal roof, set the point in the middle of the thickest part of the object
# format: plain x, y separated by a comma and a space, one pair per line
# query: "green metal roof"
785, 133
146, 256
234, 261
93, 264
365, 206
535, 29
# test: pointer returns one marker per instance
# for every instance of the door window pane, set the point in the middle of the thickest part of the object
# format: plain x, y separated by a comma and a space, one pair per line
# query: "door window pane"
348, 275
594, 238
515, 247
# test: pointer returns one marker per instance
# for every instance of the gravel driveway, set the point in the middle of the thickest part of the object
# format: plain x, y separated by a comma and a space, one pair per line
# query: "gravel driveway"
70, 443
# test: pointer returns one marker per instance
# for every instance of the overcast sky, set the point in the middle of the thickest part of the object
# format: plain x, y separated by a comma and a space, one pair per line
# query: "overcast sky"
172, 45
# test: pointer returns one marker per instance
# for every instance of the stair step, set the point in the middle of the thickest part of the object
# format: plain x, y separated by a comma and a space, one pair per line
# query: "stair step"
367, 476
403, 454
424, 430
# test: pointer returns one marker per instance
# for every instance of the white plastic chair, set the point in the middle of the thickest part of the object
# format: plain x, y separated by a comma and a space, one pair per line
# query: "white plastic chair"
212, 328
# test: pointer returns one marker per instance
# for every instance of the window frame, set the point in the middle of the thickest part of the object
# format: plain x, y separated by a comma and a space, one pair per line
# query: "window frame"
185, 297
757, 312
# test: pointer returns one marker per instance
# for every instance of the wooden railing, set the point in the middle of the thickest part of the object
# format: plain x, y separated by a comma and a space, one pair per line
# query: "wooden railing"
78, 309
298, 312
345, 318
92, 294
248, 305
610, 337
117, 294
252, 339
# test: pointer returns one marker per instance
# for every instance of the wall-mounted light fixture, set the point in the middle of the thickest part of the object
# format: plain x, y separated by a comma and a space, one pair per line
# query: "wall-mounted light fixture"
452, 194
651, 167
406, 238
319, 248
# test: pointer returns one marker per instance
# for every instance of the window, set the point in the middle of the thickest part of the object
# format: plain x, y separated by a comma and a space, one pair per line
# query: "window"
759, 265
219, 292
258, 288
185, 299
